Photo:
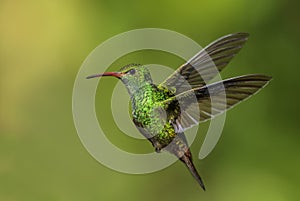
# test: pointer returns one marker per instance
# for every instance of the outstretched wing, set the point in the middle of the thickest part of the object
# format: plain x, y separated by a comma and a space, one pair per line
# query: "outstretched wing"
213, 99
205, 65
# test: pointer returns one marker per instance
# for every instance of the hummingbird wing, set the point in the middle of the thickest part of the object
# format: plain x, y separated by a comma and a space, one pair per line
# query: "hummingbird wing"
206, 64
212, 99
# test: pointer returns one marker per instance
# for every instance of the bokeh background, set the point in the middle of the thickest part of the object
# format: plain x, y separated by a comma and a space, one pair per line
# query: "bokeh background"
42, 46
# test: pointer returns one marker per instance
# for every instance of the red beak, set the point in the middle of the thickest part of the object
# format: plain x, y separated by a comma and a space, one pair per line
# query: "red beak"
114, 74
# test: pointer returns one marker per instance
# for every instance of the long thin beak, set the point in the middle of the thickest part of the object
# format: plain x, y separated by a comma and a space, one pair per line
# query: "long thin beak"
114, 74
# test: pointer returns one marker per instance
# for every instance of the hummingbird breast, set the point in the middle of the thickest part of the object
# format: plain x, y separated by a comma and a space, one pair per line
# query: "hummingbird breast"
150, 116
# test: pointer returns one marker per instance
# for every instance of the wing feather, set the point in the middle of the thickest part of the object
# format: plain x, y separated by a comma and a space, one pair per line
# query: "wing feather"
206, 64
203, 103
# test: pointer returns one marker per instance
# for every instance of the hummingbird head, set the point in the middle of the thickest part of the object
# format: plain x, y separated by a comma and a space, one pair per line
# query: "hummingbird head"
133, 76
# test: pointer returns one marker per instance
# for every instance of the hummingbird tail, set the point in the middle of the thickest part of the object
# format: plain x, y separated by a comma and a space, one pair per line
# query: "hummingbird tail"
187, 159
179, 147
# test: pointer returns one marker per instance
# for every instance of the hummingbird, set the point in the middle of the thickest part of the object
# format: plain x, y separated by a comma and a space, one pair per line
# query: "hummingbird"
163, 112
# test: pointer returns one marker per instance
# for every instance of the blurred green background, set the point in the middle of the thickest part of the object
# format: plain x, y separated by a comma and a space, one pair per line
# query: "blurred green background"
42, 46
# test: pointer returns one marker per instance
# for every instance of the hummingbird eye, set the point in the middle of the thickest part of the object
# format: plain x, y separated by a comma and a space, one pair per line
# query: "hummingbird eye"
131, 72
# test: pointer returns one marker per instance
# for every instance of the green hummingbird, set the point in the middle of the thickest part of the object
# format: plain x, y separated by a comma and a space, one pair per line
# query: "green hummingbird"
163, 112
